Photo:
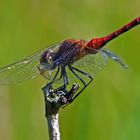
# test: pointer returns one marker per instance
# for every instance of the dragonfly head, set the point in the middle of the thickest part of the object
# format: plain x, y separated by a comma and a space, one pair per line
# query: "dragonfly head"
47, 60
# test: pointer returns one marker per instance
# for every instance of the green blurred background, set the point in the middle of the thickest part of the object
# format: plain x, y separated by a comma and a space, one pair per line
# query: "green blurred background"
108, 111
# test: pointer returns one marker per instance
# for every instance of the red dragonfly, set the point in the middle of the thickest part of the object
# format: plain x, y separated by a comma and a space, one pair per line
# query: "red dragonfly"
54, 61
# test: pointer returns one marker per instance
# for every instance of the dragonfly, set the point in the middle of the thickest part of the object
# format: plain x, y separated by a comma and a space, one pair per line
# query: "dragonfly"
75, 55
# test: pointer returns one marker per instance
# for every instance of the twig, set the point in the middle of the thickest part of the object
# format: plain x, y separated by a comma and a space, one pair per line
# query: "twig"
53, 126
53, 101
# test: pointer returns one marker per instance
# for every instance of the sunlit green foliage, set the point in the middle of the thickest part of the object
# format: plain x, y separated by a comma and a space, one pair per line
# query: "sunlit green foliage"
109, 109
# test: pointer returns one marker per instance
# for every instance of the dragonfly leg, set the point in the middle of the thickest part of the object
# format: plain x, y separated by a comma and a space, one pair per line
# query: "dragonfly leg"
60, 77
54, 79
73, 69
65, 78
50, 84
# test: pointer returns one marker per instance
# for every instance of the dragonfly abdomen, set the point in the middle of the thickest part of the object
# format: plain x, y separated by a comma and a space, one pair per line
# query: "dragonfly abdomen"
123, 29
98, 43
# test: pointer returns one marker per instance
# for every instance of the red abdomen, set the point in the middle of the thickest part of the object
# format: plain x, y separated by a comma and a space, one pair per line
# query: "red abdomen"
98, 43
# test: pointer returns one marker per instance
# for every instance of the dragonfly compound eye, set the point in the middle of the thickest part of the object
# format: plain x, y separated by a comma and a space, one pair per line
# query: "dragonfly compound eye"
47, 59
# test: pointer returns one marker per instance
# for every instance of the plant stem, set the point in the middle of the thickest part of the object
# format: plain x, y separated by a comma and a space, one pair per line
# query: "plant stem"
54, 100
53, 126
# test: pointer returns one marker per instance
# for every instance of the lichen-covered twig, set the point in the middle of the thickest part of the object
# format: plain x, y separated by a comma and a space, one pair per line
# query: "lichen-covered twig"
54, 100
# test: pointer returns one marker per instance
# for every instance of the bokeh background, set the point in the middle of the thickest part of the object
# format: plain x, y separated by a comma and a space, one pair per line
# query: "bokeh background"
109, 110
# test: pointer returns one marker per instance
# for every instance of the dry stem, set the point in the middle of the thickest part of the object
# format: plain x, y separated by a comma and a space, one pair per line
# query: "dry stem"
53, 101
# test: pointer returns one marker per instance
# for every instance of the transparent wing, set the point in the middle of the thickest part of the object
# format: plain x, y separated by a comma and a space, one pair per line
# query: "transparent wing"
22, 70
114, 58
92, 63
